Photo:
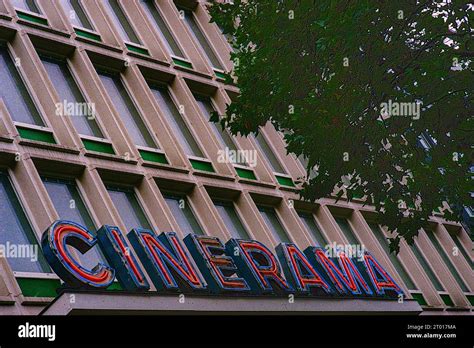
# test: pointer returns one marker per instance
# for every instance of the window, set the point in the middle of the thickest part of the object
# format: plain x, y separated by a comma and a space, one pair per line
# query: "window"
222, 135
71, 98
269, 155
69, 205
121, 22
127, 205
304, 162
199, 37
165, 33
231, 219
447, 261
313, 228
393, 258
15, 230
76, 14
127, 110
176, 121
274, 224
230, 39
183, 214
347, 230
14, 93
28, 5
424, 264
459, 245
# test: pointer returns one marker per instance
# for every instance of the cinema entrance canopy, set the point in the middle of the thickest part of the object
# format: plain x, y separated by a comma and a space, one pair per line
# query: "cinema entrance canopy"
119, 303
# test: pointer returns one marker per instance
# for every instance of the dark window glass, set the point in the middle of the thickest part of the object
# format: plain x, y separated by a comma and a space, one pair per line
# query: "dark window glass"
127, 204
347, 230
165, 33
176, 121
274, 224
70, 96
426, 267
461, 248
69, 206
121, 21
183, 214
29, 5
269, 155
128, 112
222, 135
230, 39
76, 14
393, 258
201, 39
313, 228
231, 220
14, 93
447, 261
16, 232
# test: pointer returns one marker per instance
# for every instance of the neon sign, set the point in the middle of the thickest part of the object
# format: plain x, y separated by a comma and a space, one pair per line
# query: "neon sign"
204, 264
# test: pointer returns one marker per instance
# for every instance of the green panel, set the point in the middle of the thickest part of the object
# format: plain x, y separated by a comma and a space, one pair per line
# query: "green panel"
285, 181
115, 286
202, 165
87, 35
220, 75
31, 18
98, 146
420, 299
471, 299
182, 63
246, 173
140, 50
38, 287
153, 156
36, 134
447, 300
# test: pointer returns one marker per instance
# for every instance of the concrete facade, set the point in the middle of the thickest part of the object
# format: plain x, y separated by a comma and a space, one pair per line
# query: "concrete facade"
26, 33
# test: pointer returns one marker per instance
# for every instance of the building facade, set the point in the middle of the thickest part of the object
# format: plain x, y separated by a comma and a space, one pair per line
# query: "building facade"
104, 119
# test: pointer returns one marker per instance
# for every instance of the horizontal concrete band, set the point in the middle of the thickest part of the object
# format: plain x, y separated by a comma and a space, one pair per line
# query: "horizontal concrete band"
119, 303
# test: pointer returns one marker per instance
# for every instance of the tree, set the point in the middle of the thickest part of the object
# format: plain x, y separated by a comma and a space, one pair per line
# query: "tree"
355, 86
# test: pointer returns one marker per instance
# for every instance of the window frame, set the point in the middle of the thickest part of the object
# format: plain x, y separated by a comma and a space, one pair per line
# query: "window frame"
65, 180
427, 260
29, 11
448, 260
85, 95
7, 46
193, 37
160, 34
273, 150
118, 74
130, 188
455, 236
189, 126
311, 214
218, 137
173, 194
405, 269
231, 203
130, 23
87, 15
19, 196
280, 221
